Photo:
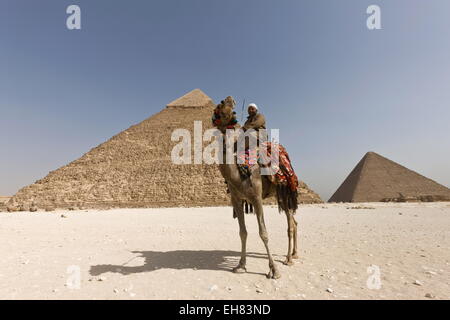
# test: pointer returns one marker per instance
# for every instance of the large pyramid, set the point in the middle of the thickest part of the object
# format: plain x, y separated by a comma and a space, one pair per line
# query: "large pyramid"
376, 178
134, 169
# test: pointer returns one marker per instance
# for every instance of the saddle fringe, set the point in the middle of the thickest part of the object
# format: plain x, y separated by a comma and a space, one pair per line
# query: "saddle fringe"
286, 199
247, 208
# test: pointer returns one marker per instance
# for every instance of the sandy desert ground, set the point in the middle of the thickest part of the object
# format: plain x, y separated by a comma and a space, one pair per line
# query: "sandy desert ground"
188, 253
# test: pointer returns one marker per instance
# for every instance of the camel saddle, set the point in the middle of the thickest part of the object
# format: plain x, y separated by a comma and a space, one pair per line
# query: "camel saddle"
284, 174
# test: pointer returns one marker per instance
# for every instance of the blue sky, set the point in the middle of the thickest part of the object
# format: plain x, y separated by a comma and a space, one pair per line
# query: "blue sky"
334, 88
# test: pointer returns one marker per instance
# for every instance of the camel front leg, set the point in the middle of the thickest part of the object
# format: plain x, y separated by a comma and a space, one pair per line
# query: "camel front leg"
237, 205
273, 270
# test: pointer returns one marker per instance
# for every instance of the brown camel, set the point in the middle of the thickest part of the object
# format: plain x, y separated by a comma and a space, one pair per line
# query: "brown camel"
253, 190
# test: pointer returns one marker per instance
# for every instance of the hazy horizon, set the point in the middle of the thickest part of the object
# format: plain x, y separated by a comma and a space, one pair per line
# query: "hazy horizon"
334, 88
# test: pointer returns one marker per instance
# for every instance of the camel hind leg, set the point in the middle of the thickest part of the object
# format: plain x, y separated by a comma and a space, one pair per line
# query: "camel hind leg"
291, 239
294, 251
295, 242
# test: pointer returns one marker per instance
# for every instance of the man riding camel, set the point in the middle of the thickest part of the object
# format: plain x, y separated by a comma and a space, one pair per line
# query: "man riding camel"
255, 120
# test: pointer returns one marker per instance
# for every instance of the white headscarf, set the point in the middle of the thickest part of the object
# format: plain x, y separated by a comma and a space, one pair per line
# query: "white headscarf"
252, 105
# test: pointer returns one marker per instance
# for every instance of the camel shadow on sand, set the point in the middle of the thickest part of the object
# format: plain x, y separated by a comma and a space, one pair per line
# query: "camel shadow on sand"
178, 259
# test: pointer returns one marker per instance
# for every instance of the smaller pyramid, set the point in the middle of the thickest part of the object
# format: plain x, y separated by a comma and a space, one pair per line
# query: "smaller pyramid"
194, 99
376, 178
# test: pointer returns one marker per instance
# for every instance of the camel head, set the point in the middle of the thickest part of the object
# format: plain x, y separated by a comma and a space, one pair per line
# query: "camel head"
224, 116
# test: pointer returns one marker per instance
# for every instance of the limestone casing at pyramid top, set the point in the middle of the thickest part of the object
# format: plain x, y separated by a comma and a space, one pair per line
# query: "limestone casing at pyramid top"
193, 99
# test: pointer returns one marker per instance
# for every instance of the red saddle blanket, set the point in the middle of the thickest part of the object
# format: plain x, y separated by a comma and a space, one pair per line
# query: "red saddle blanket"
283, 172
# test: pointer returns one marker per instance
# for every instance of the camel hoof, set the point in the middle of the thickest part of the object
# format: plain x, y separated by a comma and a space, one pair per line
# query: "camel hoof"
276, 275
295, 256
239, 269
288, 262
273, 274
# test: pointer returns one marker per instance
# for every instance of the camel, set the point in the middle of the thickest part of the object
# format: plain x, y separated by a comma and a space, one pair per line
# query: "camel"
252, 191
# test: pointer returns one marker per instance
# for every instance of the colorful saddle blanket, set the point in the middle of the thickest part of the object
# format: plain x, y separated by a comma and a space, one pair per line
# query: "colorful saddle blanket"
283, 172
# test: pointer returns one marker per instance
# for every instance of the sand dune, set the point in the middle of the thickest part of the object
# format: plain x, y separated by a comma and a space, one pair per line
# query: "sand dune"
188, 253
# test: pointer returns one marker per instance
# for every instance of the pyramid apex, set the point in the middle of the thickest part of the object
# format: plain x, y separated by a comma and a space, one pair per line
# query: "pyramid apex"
371, 153
193, 99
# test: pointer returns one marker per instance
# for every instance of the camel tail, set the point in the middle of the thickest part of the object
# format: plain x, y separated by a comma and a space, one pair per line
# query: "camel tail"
287, 199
